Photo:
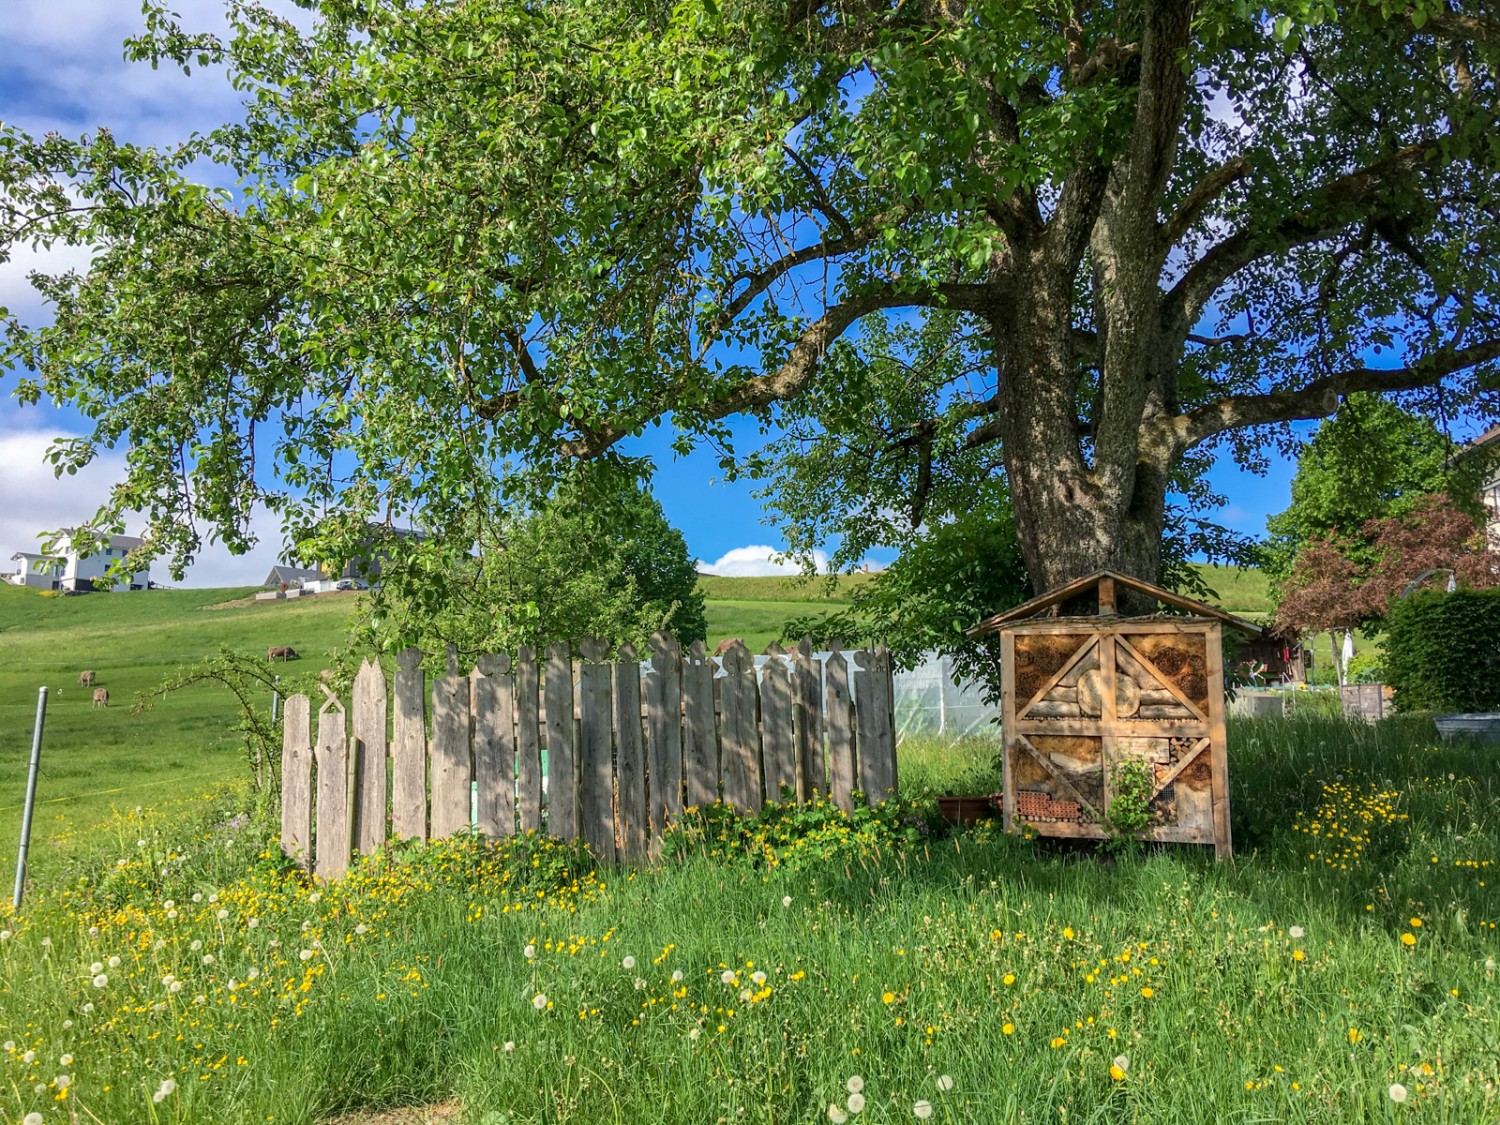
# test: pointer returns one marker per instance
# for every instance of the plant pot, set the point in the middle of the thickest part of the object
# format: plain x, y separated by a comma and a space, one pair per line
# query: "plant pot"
965, 810
1477, 726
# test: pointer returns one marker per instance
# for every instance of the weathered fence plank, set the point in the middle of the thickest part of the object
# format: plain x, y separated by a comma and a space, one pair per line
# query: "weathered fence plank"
700, 743
807, 698
630, 764
528, 742
741, 731
595, 749
409, 749
370, 753
840, 722
777, 722
562, 758
332, 842
494, 746
296, 780
876, 737
664, 731
449, 769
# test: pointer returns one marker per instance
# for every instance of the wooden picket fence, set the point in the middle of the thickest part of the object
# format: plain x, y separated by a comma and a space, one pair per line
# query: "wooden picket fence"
628, 745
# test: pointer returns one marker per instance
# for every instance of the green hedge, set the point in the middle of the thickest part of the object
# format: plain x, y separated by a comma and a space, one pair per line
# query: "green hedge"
1442, 651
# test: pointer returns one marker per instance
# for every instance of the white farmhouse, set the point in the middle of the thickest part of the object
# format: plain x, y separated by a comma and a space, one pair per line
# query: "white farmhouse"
86, 572
40, 572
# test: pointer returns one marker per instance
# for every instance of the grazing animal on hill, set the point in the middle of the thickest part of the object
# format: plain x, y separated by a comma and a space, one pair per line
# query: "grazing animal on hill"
86, 679
282, 653
101, 697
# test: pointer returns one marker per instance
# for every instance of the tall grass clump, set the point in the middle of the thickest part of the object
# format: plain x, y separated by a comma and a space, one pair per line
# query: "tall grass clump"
817, 968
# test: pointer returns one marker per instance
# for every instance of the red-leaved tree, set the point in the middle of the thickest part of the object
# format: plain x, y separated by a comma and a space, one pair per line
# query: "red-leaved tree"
1342, 582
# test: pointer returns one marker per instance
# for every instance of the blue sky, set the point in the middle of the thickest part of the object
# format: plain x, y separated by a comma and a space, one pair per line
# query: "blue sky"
61, 67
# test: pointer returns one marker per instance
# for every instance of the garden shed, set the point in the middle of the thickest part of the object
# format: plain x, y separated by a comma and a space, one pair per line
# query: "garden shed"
1115, 722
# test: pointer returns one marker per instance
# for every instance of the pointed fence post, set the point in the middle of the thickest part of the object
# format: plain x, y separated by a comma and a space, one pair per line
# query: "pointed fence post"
528, 742
630, 765
370, 752
778, 727
409, 749
494, 746
807, 693
742, 771
562, 755
596, 751
450, 771
296, 780
840, 720
876, 737
333, 790
664, 732
700, 742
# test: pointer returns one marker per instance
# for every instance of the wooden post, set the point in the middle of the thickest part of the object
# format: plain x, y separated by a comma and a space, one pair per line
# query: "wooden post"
807, 699
449, 767
296, 780
840, 731
664, 731
1218, 750
630, 765
875, 739
528, 742
562, 757
777, 716
1109, 706
495, 746
332, 842
700, 743
742, 773
1007, 729
371, 754
409, 749
597, 778
1106, 596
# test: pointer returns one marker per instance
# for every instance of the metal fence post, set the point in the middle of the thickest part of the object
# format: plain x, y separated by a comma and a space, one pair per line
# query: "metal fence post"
36, 760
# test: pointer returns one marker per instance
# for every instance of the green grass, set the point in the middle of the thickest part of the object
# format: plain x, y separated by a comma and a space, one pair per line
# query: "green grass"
1239, 590
891, 953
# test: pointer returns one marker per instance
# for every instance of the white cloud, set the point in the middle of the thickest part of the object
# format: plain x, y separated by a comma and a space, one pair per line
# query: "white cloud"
758, 561
34, 502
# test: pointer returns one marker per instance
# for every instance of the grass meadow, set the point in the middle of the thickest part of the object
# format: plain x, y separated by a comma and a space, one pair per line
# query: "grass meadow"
806, 967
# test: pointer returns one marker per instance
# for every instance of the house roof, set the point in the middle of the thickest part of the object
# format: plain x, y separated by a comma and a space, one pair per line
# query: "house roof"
1106, 582
1489, 437
114, 542
282, 573
34, 555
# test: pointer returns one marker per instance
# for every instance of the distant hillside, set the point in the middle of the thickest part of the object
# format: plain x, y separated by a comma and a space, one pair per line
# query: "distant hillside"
1244, 591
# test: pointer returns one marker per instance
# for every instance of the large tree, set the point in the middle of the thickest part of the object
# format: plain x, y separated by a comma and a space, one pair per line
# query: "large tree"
1075, 244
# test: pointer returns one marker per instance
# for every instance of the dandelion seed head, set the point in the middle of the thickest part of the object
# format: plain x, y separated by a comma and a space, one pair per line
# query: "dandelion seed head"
539, 1001
855, 1084
945, 1082
628, 963
100, 981
856, 1103
1297, 932
1397, 1092
786, 900
923, 1109
835, 1114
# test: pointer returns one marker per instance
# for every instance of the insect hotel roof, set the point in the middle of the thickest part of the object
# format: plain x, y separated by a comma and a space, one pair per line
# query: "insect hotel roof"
1112, 723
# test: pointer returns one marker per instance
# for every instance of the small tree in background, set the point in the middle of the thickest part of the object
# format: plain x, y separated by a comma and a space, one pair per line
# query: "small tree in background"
596, 558
1340, 583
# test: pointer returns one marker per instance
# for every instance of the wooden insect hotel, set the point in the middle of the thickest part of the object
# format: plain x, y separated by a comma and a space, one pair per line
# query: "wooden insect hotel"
1084, 699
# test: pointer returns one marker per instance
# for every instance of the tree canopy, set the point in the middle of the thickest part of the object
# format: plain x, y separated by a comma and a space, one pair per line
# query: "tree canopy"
1077, 246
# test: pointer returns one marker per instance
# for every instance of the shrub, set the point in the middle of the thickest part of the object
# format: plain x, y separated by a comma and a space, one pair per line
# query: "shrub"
1442, 651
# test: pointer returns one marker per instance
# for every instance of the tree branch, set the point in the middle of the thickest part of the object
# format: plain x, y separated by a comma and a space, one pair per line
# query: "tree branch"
1204, 192
800, 367
1328, 208
1316, 400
